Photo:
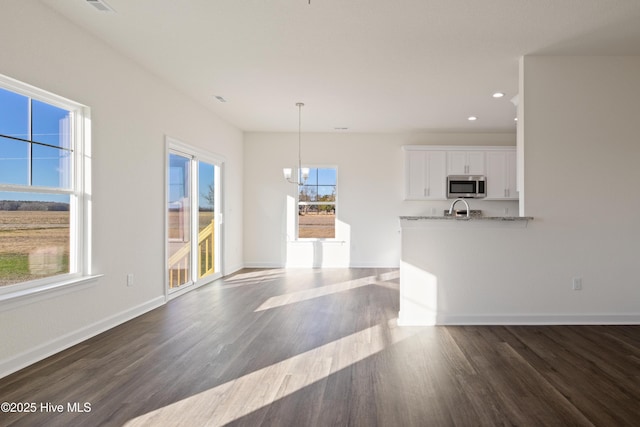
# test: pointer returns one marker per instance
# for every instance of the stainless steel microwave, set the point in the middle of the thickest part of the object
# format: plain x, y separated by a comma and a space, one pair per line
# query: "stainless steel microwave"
466, 186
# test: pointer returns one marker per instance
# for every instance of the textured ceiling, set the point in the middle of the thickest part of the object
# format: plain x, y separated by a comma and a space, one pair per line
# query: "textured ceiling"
368, 65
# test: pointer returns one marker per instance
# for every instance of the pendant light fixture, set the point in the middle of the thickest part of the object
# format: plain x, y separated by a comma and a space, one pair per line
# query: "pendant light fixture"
303, 173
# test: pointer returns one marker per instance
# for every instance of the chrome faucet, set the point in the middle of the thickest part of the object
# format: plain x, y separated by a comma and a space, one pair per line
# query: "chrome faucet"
456, 201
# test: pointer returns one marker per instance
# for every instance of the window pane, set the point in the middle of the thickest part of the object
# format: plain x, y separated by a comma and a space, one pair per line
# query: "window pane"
50, 167
326, 193
14, 166
206, 215
317, 208
317, 221
50, 125
313, 177
179, 220
308, 193
35, 236
327, 176
14, 114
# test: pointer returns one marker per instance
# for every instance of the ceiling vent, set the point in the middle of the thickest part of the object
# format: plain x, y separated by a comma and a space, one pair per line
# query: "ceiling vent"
101, 5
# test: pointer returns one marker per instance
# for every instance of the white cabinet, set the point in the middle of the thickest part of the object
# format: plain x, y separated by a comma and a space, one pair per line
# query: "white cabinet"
466, 162
501, 174
425, 175
427, 167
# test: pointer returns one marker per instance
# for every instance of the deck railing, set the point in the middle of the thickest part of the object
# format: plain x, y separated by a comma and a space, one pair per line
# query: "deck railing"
179, 262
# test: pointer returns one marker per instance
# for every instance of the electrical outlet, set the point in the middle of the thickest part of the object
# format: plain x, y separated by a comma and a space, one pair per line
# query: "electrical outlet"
577, 284
130, 279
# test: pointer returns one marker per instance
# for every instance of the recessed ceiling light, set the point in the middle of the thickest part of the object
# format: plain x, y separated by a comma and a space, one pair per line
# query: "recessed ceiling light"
516, 119
472, 118
498, 95
219, 98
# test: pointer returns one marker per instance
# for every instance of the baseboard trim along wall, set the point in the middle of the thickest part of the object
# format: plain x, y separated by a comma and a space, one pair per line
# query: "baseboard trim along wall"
22, 360
515, 319
354, 265
262, 265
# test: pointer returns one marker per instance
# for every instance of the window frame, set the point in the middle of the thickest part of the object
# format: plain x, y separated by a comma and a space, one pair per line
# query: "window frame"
79, 192
195, 155
334, 203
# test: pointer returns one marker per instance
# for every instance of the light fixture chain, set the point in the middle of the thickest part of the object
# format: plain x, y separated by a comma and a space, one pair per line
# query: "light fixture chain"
300, 105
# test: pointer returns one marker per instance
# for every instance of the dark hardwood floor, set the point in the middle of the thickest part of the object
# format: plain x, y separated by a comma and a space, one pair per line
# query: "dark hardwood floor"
321, 348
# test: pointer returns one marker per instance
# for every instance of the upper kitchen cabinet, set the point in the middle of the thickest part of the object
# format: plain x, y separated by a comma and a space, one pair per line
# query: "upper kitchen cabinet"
427, 168
425, 174
501, 174
466, 162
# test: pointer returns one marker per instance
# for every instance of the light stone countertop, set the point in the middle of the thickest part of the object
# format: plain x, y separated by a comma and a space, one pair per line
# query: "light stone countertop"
464, 218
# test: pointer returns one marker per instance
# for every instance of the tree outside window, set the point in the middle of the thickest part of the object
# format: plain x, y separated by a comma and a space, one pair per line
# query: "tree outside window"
317, 204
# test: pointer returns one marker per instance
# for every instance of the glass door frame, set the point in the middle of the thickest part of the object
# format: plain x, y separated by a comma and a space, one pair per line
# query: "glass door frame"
174, 146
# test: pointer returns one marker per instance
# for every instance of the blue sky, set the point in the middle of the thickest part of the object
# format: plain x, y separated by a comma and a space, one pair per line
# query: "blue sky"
177, 175
49, 125
323, 179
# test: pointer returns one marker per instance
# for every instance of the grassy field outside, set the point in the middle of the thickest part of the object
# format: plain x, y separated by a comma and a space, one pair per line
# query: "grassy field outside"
33, 244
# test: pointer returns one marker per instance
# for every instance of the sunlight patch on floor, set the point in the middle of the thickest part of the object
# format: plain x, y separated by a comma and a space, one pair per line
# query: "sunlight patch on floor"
307, 294
252, 278
244, 395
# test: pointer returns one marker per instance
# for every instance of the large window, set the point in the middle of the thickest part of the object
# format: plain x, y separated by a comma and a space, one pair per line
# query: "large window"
42, 187
317, 204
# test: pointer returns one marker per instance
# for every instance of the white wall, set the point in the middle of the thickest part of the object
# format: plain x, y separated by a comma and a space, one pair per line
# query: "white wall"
132, 110
370, 195
581, 152
581, 148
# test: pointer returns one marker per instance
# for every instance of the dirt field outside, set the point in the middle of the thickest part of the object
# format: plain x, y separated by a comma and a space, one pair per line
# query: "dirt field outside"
317, 225
33, 244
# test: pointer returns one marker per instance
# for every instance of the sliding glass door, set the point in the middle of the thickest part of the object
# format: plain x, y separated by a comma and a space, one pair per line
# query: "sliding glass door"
179, 220
206, 218
193, 217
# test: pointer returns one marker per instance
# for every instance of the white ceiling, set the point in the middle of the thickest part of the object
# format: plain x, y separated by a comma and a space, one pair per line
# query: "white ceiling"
369, 65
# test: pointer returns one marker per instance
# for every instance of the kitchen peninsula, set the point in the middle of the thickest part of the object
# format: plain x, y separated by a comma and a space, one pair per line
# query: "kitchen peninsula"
444, 263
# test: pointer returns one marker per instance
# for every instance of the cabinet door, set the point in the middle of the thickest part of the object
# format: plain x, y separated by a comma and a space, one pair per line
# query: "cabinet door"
475, 163
456, 163
425, 175
512, 188
437, 175
501, 175
465, 163
415, 175
496, 175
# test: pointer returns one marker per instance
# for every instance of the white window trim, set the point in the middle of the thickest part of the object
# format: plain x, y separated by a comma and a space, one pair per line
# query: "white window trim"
80, 210
336, 238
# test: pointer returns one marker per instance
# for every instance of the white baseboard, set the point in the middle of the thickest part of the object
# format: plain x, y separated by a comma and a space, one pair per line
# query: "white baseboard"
353, 265
262, 265
371, 265
527, 319
233, 269
29, 357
